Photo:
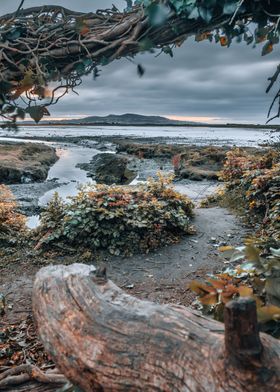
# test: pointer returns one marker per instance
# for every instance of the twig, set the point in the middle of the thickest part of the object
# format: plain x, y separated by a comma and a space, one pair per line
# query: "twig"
24, 373
19, 7
273, 79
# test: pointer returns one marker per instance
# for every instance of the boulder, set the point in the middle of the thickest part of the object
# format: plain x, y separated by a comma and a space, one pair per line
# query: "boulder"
25, 162
198, 174
107, 168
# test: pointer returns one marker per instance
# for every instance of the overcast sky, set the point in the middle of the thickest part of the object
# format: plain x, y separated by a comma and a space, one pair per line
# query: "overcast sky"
202, 80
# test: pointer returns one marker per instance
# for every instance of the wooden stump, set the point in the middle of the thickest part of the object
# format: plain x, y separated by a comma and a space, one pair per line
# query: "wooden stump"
103, 339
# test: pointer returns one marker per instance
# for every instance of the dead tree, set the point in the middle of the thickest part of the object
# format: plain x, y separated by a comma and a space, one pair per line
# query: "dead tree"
103, 339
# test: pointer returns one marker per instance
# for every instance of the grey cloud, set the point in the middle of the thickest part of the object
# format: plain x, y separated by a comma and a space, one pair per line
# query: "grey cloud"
202, 79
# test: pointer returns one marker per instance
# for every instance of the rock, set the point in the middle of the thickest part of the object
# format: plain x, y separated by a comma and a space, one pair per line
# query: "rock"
109, 169
28, 195
198, 174
189, 161
104, 146
22, 163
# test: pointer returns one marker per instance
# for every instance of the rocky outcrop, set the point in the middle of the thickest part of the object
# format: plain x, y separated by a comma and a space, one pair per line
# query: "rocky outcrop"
25, 162
195, 163
197, 174
201, 164
109, 169
192, 162
149, 150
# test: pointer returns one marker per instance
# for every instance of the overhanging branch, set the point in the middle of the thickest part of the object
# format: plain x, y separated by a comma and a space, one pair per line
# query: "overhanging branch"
51, 43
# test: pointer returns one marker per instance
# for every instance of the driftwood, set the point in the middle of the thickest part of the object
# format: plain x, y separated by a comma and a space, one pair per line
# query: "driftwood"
102, 339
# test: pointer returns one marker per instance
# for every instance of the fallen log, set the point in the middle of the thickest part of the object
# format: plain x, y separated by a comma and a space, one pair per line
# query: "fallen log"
103, 339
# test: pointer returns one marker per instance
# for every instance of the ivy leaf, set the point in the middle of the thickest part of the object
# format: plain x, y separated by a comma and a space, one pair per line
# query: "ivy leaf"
261, 34
96, 73
37, 112
267, 48
248, 39
273, 37
21, 113
167, 50
140, 70
224, 41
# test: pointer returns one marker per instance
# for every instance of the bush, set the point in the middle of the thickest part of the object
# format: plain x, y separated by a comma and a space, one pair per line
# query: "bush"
255, 181
11, 222
123, 220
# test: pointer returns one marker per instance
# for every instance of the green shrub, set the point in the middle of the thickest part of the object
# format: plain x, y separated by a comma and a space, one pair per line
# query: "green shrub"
123, 220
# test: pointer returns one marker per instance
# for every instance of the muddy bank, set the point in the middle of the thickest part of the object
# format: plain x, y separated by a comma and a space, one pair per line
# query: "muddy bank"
192, 162
25, 162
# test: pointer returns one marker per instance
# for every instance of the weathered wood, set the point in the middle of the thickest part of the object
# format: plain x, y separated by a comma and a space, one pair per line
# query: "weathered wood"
103, 339
242, 339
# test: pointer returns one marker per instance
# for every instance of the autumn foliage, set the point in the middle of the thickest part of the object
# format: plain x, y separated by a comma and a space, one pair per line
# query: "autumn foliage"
121, 220
256, 180
252, 184
11, 221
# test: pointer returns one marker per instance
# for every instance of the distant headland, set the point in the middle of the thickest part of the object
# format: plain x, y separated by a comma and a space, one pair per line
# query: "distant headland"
131, 119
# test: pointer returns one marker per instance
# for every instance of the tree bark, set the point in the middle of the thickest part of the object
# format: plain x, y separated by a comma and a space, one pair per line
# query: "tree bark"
103, 339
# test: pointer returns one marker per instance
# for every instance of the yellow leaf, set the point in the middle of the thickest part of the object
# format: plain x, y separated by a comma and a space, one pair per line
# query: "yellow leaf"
218, 284
268, 313
223, 41
25, 85
200, 288
225, 248
245, 291
209, 299
252, 253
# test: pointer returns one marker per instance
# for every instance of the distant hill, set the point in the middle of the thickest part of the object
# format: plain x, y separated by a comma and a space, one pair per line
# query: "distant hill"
126, 119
